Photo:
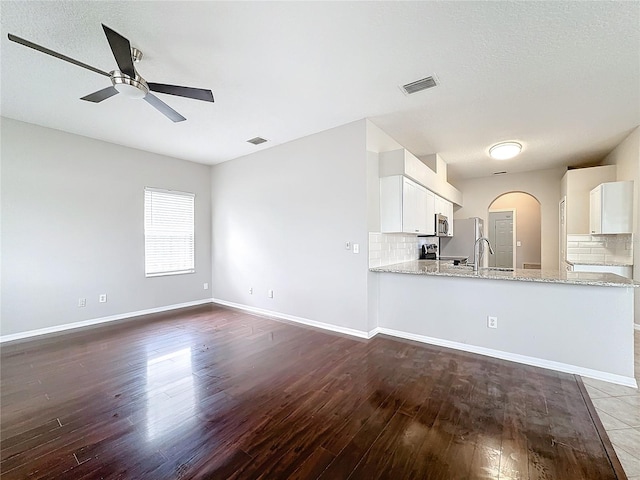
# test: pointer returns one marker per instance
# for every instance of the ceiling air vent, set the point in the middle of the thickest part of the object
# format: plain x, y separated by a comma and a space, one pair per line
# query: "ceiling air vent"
257, 140
418, 85
499, 173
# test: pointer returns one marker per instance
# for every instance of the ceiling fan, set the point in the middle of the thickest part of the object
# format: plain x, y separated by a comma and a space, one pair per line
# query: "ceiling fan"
126, 80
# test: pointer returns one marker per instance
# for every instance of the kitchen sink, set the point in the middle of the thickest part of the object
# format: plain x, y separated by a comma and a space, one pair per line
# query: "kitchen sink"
459, 267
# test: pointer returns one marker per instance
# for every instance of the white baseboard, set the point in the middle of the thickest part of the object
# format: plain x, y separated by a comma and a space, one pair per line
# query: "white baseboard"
374, 332
533, 361
97, 321
305, 321
514, 357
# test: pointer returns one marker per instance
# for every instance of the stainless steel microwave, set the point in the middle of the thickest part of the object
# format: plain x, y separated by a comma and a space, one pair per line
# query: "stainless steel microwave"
442, 225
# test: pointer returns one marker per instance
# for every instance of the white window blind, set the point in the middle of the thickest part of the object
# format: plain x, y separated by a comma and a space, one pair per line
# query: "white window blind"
168, 232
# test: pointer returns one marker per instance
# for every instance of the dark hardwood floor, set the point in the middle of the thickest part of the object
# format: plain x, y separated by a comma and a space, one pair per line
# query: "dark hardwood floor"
209, 392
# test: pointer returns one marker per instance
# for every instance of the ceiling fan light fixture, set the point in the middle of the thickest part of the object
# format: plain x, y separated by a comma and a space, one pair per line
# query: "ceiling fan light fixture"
135, 88
505, 150
130, 91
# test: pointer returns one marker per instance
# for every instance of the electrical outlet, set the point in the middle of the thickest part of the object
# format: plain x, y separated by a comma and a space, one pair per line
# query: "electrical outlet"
205, 286
356, 248
270, 293
492, 322
82, 302
250, 290
102, 298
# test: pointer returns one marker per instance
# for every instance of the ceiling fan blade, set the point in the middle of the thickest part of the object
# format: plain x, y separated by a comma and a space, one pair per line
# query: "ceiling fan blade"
42, 49
100, 95
121, 49
163, 108
189, 92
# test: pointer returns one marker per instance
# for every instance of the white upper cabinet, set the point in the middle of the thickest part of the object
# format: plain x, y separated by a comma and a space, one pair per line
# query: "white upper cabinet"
611, 208
431, 213
404, 207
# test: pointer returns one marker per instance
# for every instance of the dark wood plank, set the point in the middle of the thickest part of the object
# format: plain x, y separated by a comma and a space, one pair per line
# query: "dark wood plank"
211, 392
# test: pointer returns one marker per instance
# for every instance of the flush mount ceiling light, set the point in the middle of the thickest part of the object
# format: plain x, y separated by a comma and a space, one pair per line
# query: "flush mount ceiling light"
505, 150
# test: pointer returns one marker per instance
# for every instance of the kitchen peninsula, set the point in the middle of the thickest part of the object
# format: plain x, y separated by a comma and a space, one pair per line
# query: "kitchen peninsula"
575, 322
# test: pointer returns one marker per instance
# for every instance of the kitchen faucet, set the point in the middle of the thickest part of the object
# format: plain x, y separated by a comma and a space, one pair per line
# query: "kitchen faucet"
476, 252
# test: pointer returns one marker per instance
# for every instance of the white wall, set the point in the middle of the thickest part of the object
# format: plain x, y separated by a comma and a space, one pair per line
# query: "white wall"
626, 157
552, 325
72, 226
544, 185
281, 218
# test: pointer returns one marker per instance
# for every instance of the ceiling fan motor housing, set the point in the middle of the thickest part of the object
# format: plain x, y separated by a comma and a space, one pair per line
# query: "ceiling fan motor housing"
129, 87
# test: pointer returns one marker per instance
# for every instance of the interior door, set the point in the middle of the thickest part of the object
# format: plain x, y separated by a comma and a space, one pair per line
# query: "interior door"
501, 238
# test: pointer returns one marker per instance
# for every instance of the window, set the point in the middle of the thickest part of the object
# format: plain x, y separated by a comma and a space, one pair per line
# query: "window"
168, 232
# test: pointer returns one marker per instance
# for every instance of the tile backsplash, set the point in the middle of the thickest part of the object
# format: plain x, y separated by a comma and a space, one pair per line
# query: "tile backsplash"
390, 248
600, 248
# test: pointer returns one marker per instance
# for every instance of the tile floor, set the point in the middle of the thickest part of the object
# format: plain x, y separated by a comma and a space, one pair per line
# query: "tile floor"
619, 411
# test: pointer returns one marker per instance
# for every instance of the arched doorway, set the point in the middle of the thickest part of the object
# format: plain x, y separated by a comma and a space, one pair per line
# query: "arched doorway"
514, 230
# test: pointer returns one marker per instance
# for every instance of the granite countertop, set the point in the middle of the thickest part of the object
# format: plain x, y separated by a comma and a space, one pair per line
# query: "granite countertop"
446, 269
607, 264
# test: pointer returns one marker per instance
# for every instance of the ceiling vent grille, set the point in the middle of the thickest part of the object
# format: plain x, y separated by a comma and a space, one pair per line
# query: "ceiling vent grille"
257, 140
419, 85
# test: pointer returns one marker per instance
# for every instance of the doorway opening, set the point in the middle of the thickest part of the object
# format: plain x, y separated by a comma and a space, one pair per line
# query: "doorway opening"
514, 230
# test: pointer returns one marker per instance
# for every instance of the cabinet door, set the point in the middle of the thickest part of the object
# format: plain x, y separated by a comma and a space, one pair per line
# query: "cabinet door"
595, 210
421, 210
431, 213
439, 205
616, 207
410, 216
611, 208
449, 214
391, 204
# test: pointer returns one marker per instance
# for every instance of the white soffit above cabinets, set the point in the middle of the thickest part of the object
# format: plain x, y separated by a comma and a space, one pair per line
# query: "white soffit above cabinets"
562, 76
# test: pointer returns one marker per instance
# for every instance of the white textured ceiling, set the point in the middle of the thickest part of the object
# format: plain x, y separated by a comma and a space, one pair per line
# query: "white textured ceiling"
561, 77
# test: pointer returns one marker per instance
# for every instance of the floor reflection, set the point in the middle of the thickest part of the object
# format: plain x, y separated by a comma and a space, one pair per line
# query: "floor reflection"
171, 400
